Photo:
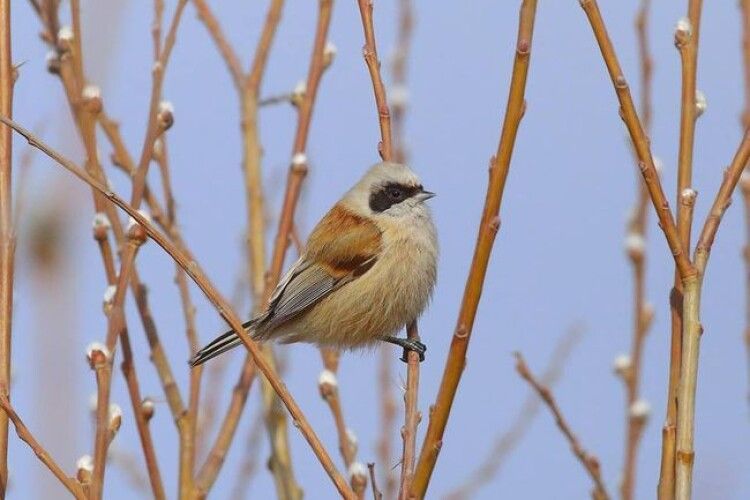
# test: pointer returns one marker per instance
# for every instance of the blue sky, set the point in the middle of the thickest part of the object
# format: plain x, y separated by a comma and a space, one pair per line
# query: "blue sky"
558, 258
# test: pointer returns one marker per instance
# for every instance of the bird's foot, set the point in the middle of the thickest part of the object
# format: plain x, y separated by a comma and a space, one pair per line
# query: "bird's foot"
409, 345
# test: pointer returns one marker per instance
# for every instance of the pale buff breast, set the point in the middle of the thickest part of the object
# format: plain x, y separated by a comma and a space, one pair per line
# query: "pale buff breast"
390, 295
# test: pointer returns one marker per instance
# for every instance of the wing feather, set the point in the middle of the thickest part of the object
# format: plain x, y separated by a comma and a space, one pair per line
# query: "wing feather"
340, 249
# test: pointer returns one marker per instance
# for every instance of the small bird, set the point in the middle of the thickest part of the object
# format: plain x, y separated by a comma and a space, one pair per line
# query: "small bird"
368, 269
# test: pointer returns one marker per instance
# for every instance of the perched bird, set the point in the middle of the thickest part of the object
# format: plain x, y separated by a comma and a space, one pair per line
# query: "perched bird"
368, 270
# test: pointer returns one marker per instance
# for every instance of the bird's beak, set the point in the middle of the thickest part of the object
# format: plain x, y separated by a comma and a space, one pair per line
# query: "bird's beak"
423, 196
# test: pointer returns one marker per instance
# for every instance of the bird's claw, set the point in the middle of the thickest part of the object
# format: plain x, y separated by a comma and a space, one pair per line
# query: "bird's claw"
413, 345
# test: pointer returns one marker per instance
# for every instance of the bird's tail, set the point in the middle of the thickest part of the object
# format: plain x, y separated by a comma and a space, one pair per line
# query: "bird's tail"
219, 345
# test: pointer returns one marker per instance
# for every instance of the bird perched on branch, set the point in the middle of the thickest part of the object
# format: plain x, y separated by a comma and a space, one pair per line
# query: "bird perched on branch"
368, 270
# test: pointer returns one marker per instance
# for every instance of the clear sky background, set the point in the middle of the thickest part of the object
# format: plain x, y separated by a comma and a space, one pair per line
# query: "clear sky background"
558, 258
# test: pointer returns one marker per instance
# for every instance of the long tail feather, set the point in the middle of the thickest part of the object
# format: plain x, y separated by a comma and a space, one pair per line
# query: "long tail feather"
219, 345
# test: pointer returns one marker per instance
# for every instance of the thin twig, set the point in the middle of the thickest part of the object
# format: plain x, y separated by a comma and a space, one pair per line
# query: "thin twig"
329, 391
376, 494
25, 435
638, 136
589, 461
215, 459
223, 308
222, 43
412, 417
506, 442
488, 227
370, 53
636, 249
249, 465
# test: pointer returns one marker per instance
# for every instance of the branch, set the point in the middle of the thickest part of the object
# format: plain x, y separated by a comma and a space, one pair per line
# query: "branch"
329, 391
745, 122
370, 53
215, 459
636, 249
412, 417
640, 141
23, 432
589, 462
7, 233
488, 227
506, 442
220, 40
721, 203
192, 268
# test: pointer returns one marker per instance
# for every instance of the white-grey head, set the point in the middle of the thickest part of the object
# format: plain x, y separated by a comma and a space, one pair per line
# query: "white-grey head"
389, 190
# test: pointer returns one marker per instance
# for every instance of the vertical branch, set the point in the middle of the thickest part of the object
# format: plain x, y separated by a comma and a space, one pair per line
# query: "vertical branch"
412, 417
399, 100
329, 391
385, 147
692, 328
636, 249
488, 227
745, 123
686, 41
7, 236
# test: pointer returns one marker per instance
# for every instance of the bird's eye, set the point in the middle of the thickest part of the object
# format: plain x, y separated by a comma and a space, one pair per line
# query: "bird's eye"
395, 193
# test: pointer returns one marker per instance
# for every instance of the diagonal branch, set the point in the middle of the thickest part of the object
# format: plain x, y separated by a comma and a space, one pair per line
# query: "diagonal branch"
488, 227
640, 141
192, 268
589, 461
23, 432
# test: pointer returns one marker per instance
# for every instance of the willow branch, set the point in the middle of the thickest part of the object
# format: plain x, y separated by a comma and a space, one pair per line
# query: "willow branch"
155, 126
370, 53
25, 435
745, 122
192, 268
636, 249
7, 234
506, 442
329, 391
412, 417
721, 203
222, 43
215, 459
638, 136
249, 465
589, 461
488, 227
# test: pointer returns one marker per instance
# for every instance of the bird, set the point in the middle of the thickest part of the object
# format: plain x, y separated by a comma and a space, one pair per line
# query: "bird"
368, 269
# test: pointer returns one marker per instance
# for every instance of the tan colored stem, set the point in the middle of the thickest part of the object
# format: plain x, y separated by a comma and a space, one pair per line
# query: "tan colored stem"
637, 228
639, 138
412, 416
692, 329
507, 441
25, 435
222, 306
215, 459
370, 53
7, 235
488, 227
687, 44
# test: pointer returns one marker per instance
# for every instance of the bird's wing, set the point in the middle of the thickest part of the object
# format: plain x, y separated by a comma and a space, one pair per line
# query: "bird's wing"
341, 248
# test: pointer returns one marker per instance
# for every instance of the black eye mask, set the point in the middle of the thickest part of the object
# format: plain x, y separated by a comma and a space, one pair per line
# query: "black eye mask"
391, 194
